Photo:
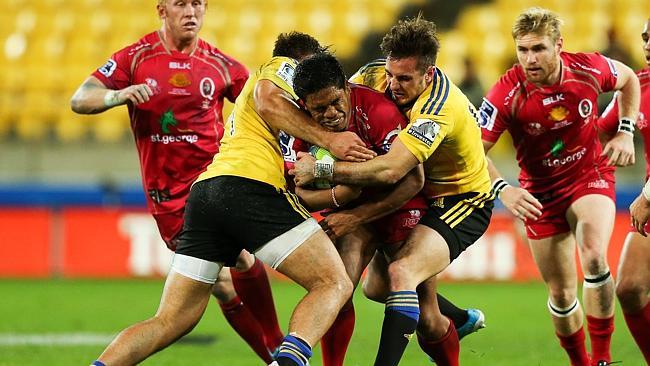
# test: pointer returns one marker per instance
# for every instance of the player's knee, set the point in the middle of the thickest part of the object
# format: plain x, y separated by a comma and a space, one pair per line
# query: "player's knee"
374, 292
245, 261
224, 290
562, 297
630, 294
398, 274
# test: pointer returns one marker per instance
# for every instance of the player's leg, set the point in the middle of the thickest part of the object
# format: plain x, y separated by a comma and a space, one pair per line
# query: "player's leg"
356, 250
555, 258
254, 289
239, 315
632, 287
235, 311
592, 219
443, 350
424, 255
183, 301
307, 256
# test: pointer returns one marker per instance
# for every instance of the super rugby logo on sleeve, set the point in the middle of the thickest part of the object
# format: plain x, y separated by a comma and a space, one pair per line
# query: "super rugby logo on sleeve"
286, 72
424, 130
487, 114
108, 68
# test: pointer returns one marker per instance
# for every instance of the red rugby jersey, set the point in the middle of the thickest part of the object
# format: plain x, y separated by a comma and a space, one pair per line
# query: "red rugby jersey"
553, 127
608, 121
375, 119
177, 131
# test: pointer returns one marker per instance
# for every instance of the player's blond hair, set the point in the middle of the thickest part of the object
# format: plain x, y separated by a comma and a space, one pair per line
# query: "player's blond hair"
539, 21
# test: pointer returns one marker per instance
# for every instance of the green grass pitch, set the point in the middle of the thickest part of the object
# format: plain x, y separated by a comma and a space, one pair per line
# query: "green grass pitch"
519, 330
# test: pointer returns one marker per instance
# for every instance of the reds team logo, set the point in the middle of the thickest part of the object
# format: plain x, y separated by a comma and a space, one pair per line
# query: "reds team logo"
585, 108
207, 89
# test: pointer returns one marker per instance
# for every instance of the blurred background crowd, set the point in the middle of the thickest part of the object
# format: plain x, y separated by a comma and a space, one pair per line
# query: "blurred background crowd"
50, 46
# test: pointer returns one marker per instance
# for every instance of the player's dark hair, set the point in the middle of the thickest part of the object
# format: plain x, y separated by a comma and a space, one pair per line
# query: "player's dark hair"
296, 45
415, 37
316, 73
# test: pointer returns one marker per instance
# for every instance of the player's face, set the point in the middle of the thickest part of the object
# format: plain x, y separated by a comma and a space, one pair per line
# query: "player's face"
330, 107
183, 18
645, 36
406, 80
540, 57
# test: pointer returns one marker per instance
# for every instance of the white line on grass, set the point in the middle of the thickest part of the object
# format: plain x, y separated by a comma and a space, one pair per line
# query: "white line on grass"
55, 339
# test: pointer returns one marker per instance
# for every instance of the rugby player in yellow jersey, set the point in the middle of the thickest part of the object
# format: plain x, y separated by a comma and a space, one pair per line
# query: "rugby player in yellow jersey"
444, 135
240, 202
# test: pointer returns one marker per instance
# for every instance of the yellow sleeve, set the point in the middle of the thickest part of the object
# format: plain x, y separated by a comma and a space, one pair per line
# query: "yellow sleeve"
424, 134
280, 71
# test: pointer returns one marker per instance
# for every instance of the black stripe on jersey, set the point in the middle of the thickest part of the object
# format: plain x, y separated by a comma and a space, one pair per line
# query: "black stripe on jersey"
444, 98
433, 89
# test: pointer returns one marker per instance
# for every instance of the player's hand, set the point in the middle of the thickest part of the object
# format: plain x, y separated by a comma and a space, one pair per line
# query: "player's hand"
640, 212
620, 149
338, 224
136, 94
521, 203
348, 146
303, 169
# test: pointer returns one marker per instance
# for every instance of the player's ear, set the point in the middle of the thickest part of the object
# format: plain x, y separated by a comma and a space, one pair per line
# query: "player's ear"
428, 75
559, 43
161, 10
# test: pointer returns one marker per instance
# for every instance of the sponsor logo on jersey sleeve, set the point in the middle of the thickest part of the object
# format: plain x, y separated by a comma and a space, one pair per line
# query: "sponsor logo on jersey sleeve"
390, 137
641, 121
286, 146
487, 114
108, 68
424, 130
285, 72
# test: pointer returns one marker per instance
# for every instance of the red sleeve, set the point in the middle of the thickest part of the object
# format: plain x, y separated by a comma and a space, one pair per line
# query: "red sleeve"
116, 72
493, 114
607, 75
608, 121
238, 77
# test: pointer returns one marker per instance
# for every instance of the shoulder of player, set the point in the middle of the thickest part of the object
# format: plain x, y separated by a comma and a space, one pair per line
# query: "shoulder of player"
215, 56
145, 44
587, 63
442, 98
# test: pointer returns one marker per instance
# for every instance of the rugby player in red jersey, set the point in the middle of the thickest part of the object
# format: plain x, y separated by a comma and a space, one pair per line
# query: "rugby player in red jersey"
321, 85
547, 103
633, 281
174, 85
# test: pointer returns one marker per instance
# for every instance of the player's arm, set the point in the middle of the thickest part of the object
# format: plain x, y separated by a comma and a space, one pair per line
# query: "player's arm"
94, 97
640, 210
277, 108
320, 199
519, 201
384, 169
621, 147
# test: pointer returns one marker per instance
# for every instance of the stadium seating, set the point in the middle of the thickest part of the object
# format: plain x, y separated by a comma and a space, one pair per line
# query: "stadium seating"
50, 46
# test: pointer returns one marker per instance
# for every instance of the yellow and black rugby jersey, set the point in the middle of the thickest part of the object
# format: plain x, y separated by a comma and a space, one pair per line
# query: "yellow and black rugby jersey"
249, 147
372, 75
443, 133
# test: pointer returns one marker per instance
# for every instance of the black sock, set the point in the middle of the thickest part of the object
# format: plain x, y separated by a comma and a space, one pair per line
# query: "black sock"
400, 320
457, 315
